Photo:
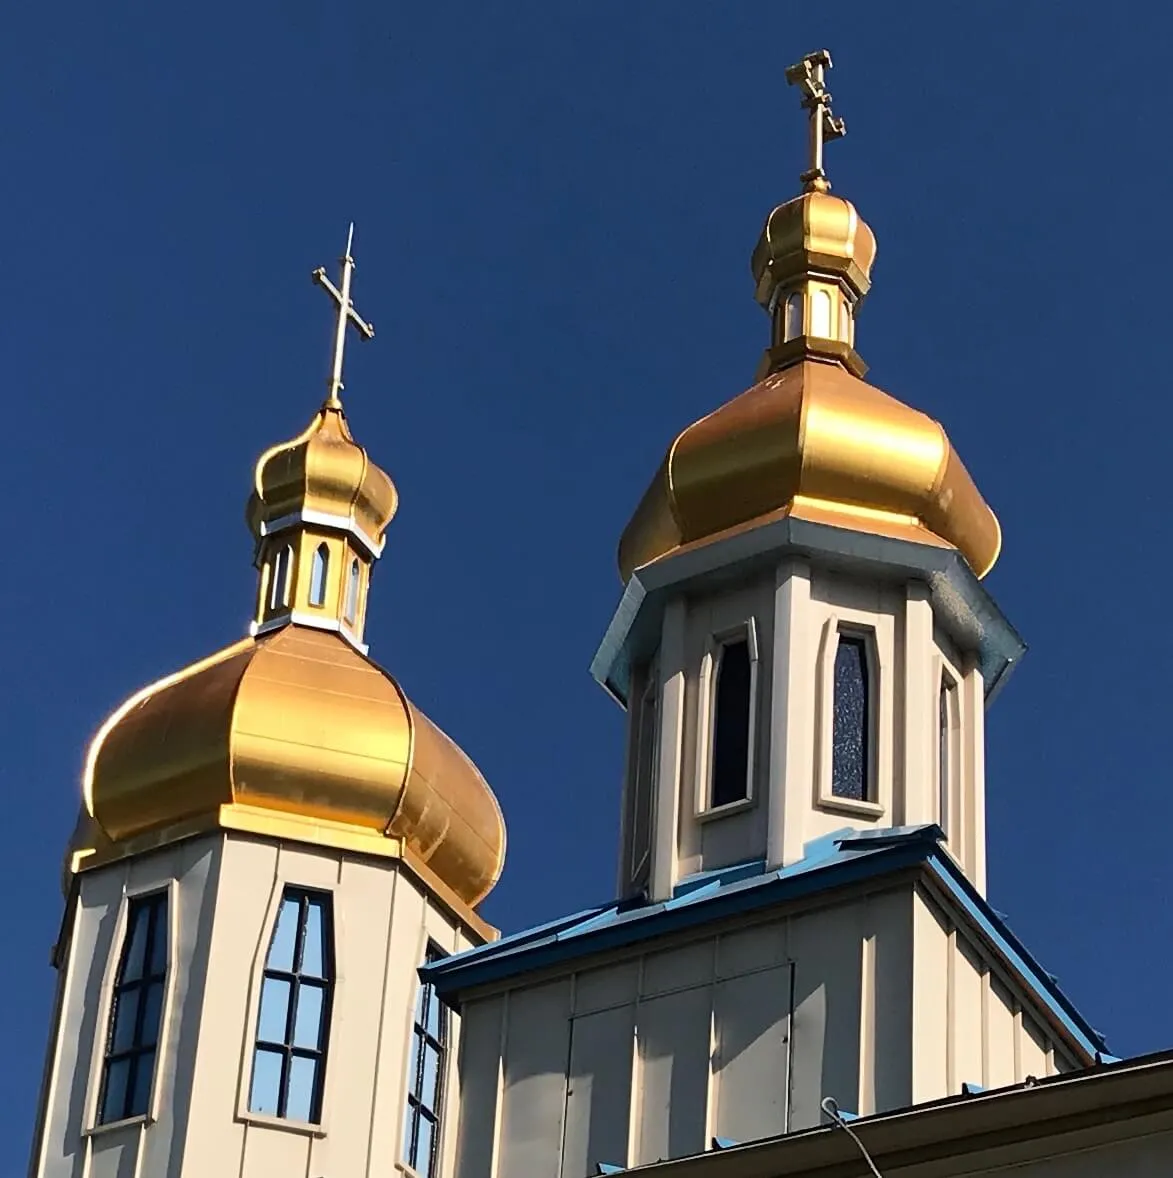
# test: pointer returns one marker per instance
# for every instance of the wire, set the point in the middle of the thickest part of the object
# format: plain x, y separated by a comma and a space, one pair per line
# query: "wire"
831, 1107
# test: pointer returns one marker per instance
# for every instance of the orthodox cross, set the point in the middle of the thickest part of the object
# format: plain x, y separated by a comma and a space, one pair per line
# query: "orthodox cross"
347, 315
808, 75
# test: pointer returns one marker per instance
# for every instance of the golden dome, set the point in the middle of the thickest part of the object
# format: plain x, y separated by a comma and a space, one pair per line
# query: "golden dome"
292, 732
323, 475
812, 440
297, 723
814, 231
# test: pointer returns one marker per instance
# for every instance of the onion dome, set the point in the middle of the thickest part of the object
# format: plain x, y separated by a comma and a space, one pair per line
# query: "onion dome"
811, 438
293, 732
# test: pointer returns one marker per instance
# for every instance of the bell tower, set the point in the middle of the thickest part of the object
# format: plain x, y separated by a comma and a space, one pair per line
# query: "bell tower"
272, 841
804, 641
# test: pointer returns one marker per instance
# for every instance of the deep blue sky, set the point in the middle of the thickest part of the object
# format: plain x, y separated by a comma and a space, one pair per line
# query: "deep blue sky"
555, 208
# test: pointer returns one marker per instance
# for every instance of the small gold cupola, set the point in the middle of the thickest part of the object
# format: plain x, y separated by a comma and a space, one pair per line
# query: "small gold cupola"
811, 439
293, 732
812, 264
319, 508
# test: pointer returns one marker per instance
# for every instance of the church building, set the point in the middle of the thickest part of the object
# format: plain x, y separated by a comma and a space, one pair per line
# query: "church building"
271, 961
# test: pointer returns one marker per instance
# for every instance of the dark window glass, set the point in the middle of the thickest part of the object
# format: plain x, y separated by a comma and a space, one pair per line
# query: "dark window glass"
945, 751
644, 786
135, 1012
425, 1080
850, 751
731, 725
293, 1022
318, 570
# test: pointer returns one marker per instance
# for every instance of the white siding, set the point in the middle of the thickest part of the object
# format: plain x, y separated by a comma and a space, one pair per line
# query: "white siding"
537, 1042
673, 1077
598, 1097
480, 1071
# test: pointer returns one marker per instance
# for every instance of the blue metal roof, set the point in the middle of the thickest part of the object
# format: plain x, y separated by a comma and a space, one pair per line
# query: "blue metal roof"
836, 860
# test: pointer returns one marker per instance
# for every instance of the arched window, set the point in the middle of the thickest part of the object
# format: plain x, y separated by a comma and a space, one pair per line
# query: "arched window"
851, 720
644, 785
792, 326
845, 321
947, 751
136, 1011
279, 594
732, 698
318, 570
293, 1024
425, 1080
821, 315
351, 611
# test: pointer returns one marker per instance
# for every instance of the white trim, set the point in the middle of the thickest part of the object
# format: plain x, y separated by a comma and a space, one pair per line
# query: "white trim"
281, 881
707, 719
950, 816
93, 1126
641, 783
871, 806
314, 621
325, 519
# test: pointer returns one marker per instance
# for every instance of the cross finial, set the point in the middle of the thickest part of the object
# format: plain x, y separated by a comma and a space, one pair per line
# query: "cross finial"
346, 315
809, 76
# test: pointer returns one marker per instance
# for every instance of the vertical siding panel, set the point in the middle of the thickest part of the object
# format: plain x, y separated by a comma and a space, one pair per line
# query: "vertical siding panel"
536, 1052
480, 1056
753, 1025
598, 1097
674, 1054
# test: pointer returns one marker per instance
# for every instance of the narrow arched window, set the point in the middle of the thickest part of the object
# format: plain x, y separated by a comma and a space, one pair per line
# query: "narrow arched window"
293, 1022
792, 326
425, 1079
732, 697
947, 751
351, 611
821, 315
318, 569
279, 595
644, 785
844, 321
851, 720
136, 1011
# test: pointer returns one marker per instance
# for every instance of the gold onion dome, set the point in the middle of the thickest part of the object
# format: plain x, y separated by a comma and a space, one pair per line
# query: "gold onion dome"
293, 731
811, 438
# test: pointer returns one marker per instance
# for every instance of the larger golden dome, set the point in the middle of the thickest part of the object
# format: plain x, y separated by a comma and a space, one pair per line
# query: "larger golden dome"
812, 440
293, 732
297, 723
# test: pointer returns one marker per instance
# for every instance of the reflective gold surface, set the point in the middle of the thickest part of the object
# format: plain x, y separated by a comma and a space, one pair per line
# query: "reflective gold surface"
323, 471
813, 232
812, 438
296, 723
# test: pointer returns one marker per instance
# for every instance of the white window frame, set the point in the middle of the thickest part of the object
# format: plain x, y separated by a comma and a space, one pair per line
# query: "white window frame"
93, 1125
282, 578
878, 769
707, 718
949, 815
321, 880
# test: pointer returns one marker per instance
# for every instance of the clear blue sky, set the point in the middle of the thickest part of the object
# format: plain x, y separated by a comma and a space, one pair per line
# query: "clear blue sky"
555, 208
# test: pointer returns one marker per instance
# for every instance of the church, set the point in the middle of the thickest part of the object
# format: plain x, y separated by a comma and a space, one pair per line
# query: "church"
271, 960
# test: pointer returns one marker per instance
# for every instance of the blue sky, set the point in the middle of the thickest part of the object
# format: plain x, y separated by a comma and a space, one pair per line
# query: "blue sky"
555, 209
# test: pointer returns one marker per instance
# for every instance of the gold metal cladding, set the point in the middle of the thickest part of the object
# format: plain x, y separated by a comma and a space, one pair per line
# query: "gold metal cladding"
323, 470
813, 232
812, 436
297, 723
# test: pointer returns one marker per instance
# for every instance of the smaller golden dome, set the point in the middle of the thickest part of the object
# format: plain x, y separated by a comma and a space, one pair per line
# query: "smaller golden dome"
813, 440
295, 723
325, 477
814, 231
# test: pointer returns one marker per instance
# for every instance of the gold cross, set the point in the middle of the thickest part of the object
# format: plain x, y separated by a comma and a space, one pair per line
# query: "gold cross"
808, 75
346, 315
